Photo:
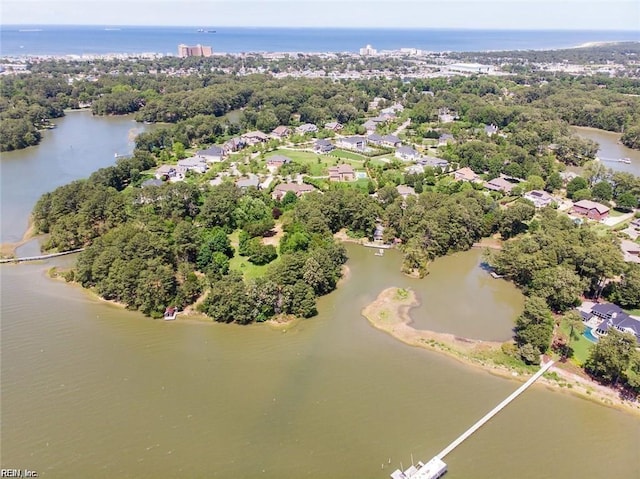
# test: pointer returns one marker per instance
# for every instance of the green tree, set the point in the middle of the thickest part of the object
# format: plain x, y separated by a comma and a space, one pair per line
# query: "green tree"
560, 286
576, 184
627, 201
534, 326
611, 356
602, 191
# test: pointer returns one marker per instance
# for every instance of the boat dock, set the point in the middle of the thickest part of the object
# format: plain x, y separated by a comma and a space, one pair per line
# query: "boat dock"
436, 467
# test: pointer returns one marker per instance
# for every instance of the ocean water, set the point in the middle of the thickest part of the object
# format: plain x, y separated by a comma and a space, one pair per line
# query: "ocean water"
78, 40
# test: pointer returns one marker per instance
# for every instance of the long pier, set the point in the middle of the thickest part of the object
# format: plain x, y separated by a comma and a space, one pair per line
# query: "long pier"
40, 257
494, 411
436, 467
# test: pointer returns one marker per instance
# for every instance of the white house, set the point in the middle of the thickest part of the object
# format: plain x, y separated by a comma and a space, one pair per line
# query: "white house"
406, 153
213, 154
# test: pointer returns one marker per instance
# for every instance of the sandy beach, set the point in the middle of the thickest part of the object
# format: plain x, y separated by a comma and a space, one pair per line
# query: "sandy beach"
390, 313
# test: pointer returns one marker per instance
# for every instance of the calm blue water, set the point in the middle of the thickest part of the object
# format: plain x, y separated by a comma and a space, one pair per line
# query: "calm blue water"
77, 40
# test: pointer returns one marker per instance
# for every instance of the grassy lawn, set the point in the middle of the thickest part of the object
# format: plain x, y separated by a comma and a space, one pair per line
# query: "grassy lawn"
311, 159
633, 312
580, 346
242, 264
348, 155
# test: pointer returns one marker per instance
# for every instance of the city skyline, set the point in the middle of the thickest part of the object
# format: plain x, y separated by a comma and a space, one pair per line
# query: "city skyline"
621, 15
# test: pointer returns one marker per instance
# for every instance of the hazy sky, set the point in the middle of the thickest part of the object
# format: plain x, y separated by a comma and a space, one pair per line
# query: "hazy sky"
490, 14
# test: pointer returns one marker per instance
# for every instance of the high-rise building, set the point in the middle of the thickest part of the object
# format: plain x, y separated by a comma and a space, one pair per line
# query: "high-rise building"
368, 51
195, 51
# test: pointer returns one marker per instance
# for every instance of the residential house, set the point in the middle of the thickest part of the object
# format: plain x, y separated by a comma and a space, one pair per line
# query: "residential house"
405, 191
250, 181
391, 141
406, 153
195, 164
613, 316
165, 171
298, 189
445, 139
434, 162
446, 116
152, 182
213, 154
490, 130
281, 132
234, 144
358, 143
341, 173
323, 146
467, 174
307, 128
502, 184
414, 169
590, 209
539, 198
374, 138
276, 161
333, 126
630, 251
370, 125
255, 137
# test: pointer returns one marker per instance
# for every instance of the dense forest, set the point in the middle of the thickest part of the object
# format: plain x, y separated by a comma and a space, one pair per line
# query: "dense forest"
202, 91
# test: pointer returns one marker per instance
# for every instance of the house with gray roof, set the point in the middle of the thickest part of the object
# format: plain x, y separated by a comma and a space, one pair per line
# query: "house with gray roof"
434, 162
323, 146
213, 154
406, 153
358, 143
307, 128
392, 141
613, 316
250, 181
539, 198
445, 139
502, 184
195, 164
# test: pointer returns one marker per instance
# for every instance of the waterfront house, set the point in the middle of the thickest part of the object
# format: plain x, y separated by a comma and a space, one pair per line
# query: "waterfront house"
341, 173
358, 143
467, 174
306, 128
612, 316
333, 126
213, 154
406, 153
539, 198
281, 132
323, 146
298, 189
590, 209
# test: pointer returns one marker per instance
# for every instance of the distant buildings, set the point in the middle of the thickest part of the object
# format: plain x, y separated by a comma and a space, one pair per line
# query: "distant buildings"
195, 51
368, 51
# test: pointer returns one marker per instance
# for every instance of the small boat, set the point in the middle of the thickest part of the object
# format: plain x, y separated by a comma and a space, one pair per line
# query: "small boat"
170, 313
625, 160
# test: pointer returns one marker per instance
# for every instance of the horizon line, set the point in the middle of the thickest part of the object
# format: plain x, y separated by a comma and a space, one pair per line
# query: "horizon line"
336, 27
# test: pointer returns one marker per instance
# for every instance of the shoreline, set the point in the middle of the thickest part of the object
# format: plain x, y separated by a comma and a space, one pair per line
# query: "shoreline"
389, 312
8, 249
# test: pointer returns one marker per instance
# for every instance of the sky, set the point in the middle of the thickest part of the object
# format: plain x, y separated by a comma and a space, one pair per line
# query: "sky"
471, 14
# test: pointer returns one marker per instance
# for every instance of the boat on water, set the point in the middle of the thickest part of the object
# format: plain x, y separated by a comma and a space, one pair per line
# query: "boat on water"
170, 313
625, 160
202, 30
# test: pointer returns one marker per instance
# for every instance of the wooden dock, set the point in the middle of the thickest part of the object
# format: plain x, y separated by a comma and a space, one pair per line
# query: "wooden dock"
40, 257
436, 467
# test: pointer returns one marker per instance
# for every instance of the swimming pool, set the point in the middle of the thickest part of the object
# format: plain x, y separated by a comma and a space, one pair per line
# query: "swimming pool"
589, 335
